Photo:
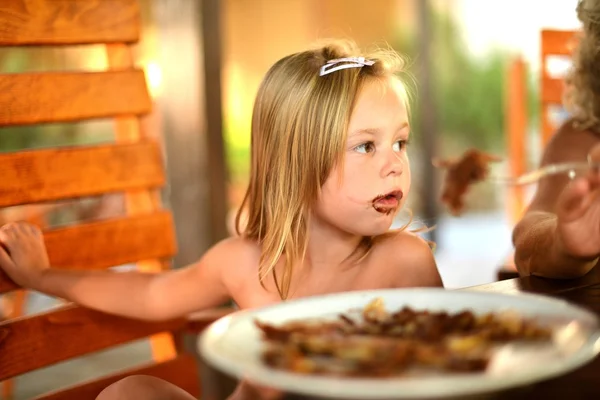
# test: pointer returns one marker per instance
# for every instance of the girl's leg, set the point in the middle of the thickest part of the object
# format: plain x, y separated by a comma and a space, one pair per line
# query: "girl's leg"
138, 387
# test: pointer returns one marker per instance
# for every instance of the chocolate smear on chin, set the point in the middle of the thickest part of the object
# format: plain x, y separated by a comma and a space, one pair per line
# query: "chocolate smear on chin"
383, 210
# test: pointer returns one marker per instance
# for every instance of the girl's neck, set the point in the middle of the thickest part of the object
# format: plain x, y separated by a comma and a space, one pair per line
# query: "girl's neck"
328, 246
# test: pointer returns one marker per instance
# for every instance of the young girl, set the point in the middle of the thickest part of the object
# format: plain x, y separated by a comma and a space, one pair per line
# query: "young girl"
329, 172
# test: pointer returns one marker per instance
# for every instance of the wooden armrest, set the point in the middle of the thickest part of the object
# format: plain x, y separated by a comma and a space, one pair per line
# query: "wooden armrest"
199, 321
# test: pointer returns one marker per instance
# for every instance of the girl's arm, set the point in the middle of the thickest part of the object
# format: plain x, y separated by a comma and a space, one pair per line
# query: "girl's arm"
149, 296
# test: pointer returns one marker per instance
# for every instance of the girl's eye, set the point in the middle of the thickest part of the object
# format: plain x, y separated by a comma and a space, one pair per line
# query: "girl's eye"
399, 145
365, 148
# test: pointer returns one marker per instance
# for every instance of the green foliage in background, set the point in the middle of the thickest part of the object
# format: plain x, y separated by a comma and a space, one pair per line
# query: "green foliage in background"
469, 91
237, 152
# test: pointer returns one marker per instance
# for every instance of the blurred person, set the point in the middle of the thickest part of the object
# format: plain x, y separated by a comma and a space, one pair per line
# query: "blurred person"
559, 234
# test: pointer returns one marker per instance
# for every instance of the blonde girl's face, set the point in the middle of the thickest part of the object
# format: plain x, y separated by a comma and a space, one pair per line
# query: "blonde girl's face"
363, 195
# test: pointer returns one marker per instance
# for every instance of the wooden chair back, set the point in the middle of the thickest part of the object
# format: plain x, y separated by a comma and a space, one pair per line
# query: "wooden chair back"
555, 45
132, 165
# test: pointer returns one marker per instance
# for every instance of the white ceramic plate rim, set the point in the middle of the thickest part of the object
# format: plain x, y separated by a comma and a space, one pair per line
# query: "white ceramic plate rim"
443, 386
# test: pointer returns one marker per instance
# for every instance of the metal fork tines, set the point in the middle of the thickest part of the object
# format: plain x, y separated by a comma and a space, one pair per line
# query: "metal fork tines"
571, 169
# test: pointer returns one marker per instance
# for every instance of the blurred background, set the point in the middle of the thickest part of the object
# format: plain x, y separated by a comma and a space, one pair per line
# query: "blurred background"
205, 59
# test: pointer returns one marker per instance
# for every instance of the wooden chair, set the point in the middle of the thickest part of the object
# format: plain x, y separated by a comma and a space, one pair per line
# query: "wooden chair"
131, 165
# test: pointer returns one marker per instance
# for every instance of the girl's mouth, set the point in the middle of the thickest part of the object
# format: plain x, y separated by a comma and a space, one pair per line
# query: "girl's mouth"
386, 203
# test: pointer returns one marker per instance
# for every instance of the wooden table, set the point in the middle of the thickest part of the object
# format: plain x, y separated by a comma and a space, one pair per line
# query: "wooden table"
583, 383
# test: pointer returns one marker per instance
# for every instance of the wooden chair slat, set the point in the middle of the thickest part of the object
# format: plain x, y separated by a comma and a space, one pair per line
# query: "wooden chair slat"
71, 96
68, 332
553, 43
178, 371
60, 22
552, 91
6, 285
557, 42
123, 240
62, 173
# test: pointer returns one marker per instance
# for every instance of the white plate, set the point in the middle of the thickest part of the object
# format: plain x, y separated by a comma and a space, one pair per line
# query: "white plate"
233, 344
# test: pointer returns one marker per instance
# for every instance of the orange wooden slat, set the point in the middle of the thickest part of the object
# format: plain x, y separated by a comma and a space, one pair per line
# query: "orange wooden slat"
18, 306
6, 284
61, 173
71, 96
180, 371
552, 90
108, 243
129, 239
516, 123
37, 341
557, 42
35, 22
553, 42
127, 128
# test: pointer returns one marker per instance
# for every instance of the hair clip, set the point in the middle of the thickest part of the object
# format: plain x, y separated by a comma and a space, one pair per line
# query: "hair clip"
343, 63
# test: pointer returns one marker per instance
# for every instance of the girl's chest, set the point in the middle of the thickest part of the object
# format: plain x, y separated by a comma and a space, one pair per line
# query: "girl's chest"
255, 295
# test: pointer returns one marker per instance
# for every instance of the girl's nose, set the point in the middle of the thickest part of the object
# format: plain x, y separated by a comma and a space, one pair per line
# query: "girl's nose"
394, 164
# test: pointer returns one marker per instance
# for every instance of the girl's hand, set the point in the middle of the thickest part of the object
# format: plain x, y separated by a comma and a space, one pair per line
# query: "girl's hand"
23, 253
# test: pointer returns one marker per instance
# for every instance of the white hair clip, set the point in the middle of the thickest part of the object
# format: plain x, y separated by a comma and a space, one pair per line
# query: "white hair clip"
343, 63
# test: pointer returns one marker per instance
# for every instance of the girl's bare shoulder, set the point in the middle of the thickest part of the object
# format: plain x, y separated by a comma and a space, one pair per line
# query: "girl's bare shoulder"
407, 259
235, 252
402, 245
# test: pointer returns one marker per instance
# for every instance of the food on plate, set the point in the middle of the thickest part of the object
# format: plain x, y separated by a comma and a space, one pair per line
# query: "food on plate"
472, 167
380, 343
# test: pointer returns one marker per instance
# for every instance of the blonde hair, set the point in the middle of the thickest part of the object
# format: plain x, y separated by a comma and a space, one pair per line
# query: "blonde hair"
299, 130
582, 96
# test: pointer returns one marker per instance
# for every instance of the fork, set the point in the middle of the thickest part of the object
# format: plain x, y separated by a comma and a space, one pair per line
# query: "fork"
551, 169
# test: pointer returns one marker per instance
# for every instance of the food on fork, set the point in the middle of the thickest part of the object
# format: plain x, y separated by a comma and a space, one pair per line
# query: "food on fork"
380, 343
472, 167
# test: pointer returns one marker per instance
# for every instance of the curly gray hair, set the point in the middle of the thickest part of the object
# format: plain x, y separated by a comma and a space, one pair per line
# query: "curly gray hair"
582, 96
